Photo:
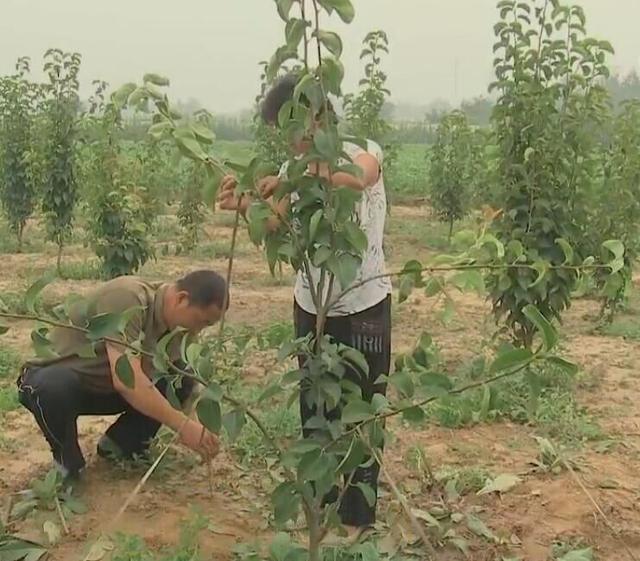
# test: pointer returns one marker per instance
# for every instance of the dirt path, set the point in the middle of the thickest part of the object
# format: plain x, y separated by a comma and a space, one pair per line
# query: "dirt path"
543, 509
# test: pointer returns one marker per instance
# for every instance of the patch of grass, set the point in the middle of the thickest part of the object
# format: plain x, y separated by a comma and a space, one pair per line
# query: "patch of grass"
552, 407
8, 399
409, 179
82, 270
623, 326
469, 479
10, 362
280, 421
405, 234
134, 548
218, 249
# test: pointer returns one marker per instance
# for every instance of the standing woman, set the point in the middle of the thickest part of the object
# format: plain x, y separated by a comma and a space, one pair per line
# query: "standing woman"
362, 317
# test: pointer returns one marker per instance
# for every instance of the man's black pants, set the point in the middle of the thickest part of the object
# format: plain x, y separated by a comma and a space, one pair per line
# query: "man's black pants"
56, 397
370, 333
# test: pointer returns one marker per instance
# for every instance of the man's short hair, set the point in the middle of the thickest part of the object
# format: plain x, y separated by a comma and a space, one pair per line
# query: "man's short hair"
205, 288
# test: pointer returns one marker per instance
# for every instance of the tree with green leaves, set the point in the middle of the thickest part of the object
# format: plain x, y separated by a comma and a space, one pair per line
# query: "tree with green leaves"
191, 212
364, 110
118, 226
549, 75
62, 103
613, 206
19, 98
453, 168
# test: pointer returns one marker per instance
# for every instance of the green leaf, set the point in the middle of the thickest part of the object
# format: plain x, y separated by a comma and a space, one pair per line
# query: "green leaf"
294, 32
345, 269
106, 325
156, 79
4, 329
511, 359
286, 502
414, 415
121, 96
188, 144
313, 224
158, 130
312, 466
209, 414
501, 484
403, 383
42, 346
331, 41
368, 493
541, 267
356, 412
434, 286
357, 238
34, 291
578, 555
545, 329
357, 359
284, 8
233, 422
617, 248
479, 528
332, 75
270, 391
124, 371
407, 284
203, 133
326, 143
344, 9
567, 249
569, 367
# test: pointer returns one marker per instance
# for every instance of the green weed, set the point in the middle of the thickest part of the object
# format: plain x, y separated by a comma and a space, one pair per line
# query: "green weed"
8, 399
551, 405
82, 270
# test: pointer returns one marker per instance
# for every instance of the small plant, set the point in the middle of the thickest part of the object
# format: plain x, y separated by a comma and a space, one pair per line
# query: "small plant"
549, 82
60, 190
453, 169
364, 110
191, 213
19, 99
119, 226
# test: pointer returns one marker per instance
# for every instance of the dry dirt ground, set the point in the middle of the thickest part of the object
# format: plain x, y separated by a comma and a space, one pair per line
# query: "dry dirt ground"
543, 509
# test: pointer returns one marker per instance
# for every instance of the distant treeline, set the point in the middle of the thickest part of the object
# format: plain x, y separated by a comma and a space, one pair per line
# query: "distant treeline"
413, 123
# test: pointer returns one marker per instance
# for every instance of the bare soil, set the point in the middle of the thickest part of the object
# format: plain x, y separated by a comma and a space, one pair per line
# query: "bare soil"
543, 509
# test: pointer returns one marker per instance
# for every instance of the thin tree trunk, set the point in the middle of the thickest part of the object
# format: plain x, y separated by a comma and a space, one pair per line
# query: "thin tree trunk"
450, 229
59, 260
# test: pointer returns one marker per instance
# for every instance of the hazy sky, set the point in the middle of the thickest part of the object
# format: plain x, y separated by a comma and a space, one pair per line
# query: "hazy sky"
210, 48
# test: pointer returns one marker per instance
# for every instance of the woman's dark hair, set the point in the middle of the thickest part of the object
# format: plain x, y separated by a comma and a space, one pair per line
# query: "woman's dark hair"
280, 93
205, 288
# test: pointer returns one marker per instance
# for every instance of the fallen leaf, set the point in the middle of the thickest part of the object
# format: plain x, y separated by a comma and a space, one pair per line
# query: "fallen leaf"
52, 531
425, 517
578, 555
99, 549
479, 528
501, 484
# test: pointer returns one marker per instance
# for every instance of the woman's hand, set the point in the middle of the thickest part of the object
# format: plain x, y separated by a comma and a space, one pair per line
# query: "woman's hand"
267, 186
227, 199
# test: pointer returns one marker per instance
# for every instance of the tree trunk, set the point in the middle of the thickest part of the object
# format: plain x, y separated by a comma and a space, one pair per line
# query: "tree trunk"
59, 260
450, 229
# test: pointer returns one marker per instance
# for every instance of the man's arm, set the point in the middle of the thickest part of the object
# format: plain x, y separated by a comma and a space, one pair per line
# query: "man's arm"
147, 399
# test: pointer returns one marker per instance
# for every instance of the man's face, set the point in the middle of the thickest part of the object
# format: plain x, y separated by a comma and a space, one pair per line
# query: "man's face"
194, 318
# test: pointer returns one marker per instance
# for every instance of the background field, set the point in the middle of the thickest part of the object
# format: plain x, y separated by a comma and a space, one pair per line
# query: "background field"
592, 420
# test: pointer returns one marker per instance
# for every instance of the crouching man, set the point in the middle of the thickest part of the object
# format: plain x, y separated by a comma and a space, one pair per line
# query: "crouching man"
59, 390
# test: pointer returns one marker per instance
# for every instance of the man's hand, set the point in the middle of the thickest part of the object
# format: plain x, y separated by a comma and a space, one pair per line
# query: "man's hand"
196, 437
267, 186
227, 199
